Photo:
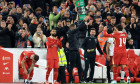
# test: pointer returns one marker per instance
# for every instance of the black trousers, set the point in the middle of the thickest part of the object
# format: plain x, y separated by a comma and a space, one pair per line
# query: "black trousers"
75, 61
61, 74
91, 62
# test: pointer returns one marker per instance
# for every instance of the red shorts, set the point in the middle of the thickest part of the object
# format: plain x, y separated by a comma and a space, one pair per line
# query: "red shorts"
120, 58
111, 61
52, 63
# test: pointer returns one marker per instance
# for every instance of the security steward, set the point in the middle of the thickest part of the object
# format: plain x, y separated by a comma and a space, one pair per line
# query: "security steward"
89, 45
62, 63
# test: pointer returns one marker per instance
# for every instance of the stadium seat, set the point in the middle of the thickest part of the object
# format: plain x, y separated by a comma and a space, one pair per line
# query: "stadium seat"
75, 75
100, 59
67, 76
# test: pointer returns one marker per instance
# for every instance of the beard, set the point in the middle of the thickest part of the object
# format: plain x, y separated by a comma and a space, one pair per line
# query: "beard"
54, 35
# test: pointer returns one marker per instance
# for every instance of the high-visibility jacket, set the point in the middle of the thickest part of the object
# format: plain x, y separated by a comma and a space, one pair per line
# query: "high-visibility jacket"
62, 57
101, 40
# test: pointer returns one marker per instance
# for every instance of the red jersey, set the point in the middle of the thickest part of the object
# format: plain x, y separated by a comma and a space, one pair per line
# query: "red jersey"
120, 40
52, 47
26, 55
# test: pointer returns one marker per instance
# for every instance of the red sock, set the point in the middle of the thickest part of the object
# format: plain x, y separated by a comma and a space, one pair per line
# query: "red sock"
115, 74
48, 73
55, 73
126, 71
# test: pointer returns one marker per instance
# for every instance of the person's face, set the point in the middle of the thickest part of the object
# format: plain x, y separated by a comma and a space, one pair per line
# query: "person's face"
5, 9
32, 57
113, 21
34, 19
0, 17
3, 24
9, 18
53, 32
99, 5
101, 27
67, 15
92, 33
90, 2
68, 23
59, 24
132, 20
40, 19
98, 13
130, 42
19, 10
133, 15
38, 30
117, 9
13, 4
106, 4
55, 10
123, 19
25, 25
109, 17
73, 28
134, 12
63, 6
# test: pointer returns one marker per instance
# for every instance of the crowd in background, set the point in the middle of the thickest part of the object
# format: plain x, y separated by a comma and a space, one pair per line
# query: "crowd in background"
27, 23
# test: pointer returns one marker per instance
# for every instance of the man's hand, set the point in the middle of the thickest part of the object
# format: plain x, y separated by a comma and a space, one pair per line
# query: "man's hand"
108, 58
105, 28
103, 56
61, 38
88, 50
9, 27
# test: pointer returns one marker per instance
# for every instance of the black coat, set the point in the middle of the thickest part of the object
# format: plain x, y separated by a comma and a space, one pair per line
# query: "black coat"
32, 28
91, 43
82, 31
73, 37
5, 35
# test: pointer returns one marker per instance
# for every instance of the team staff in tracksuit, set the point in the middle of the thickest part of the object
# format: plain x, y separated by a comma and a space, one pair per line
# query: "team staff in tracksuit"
74, 58
89, 45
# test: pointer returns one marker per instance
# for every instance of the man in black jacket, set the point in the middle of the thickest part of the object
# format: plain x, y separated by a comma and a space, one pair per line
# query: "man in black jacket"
73, 49
5, 34
89, 45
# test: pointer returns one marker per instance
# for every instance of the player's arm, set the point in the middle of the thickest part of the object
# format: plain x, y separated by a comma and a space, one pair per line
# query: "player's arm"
49, 44
105, 34
60, 42
31, 68
107, 51
23, 66
99, 48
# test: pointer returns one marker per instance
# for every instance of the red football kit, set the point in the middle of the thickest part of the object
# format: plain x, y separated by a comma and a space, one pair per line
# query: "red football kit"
26, 55
52, 56
120, 54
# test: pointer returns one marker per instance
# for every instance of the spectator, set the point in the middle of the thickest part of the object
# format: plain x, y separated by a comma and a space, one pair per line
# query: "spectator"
39, 38
4, 12
38, 11
33, 25
47, 11
99, 6
5, 34
0, 17
53, 17
63, 8
111, 25
20, 23
67, 15
18, 13
130, 44
21, 38
117, 13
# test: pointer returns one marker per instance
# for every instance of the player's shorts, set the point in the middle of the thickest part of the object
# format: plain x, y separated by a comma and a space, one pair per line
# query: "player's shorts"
120, 58
111, 61
52, 63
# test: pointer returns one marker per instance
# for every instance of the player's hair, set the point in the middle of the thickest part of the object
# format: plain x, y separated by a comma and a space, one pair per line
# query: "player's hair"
92, 29
113, 17
72, 25
36, 57
53, 29
119, 27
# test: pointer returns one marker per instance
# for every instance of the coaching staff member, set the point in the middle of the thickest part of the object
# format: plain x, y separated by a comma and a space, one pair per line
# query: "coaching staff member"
89, 45
74, 58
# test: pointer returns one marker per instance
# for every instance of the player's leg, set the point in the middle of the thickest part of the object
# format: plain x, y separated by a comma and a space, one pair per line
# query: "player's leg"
125, 68
111, 68
86, 69
56, 66
92, 66
122, 76
50, 64
78, 65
